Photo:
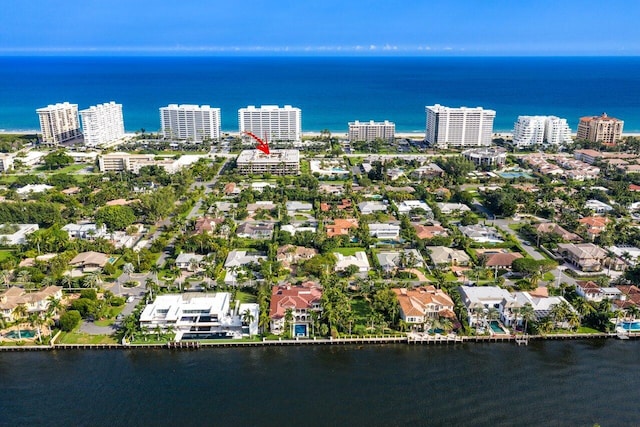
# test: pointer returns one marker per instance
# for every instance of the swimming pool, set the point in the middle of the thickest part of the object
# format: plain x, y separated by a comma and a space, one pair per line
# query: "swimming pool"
510, 175
24, 333
495, 327
630, 326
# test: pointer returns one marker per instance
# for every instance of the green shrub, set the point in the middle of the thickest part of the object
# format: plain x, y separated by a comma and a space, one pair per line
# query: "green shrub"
69, 320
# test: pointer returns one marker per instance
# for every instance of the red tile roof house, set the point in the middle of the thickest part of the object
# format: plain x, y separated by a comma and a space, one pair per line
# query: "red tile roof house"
207, 225
418, 305
594, 224
302, 300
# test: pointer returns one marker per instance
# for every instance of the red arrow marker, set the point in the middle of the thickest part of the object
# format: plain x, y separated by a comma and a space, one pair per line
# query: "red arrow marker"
262, 145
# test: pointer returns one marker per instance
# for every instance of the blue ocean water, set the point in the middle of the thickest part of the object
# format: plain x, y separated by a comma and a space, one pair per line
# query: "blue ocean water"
330, 91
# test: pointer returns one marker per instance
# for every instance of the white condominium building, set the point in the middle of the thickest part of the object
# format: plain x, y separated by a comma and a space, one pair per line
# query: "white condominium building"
120, 162
272, 122
370, 131
102, 124
59, 123
190, 122
278, 162
6, 162
459, 127
538, 130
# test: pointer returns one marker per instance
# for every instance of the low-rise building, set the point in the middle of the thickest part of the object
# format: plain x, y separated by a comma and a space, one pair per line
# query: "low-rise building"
6, 162
486, 156
423, 303
598, 207
35, 302
588, 257
201, 316
479, 300
406, 258
359, 259
452, 208
370, 207
441, 255
277, 162
500, 260
290, 254
236, 260
189, 261
553, 228
255, 230
86, 231
294, 305
16, 234
429, 231
384, 231
340, 227
481, 233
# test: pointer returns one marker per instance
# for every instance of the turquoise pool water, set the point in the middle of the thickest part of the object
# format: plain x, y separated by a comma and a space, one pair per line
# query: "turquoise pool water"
495, 327
510, 175
112, 260
630, 326
24, 333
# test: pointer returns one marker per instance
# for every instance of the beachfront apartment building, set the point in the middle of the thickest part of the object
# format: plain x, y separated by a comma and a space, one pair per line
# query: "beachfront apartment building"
59, 123
270, 122
370, 131
277, 162
6, 162
190, 122
102, 124
125, 162
600, 129
486, 156
459, 127
201, 316
539, 130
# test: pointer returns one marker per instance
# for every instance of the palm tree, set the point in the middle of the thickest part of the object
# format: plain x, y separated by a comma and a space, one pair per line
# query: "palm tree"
66, 281
288, 320
5, 277
574, 320
528, 314
633, 311
248, 318
546, 325
35, 322
128, 268
20, 313
54, 305
478, 311
23, 276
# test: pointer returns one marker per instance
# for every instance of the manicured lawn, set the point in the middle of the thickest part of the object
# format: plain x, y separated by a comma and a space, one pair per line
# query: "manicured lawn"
586, 330
245, 297
66, 169
548, 277
105, 322
361, 309
80, 338
348, 251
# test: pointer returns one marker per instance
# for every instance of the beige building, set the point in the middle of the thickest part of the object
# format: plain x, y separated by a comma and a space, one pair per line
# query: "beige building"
59, 123
600, 129
370, 131
117, 162
278, 162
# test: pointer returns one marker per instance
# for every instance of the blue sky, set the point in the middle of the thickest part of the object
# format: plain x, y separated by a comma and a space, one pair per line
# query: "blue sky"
379, 27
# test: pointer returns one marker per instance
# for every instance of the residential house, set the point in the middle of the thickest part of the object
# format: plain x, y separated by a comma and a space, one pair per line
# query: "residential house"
89, 261
33, 188
293, 207
298, 228
591, 291
542, 304
340, 227
594, 225
500, 260
35, 302
452, 208
206, 225
16, 234
430, 231
255, 230
236, 260
588, 257
201, 316
428, 171
384, 231
189, 261
441, 255
86, 231
359, 259
300, 302
629, 254
395, 173
261, 205
407, 258
423, 303
370, 207
481, 233
290, 254
345, 204
598, 207
480, 300
553, 228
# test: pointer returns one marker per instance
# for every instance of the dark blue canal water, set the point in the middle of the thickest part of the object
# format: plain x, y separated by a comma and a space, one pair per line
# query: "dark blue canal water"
569, 383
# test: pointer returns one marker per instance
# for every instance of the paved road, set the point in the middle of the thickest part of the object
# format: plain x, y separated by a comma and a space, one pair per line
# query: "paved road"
208, 188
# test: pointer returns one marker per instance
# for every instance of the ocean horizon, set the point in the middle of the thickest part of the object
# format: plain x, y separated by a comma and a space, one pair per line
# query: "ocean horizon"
331, 91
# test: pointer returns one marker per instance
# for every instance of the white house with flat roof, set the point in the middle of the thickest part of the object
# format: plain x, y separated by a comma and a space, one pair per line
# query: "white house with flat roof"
359, 259
479, 300
201, 316
384, 231
16, 234
597, 206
